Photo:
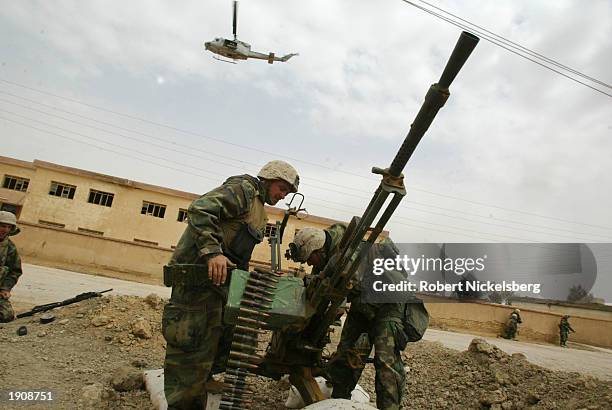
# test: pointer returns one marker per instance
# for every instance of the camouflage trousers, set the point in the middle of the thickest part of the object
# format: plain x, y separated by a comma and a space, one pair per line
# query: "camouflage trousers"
386, 335
7, 313
563, 336
511, 329
198, 344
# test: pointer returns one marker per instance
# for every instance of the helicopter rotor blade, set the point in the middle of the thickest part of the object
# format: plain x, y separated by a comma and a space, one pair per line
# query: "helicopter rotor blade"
235, 17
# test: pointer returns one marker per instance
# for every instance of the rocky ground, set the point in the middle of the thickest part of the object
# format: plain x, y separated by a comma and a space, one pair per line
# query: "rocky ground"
93, 355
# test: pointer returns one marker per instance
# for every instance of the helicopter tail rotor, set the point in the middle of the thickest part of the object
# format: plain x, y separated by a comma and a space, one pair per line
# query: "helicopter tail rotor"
235, 20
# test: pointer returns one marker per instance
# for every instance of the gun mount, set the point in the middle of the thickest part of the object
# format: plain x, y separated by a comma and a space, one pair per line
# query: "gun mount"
298, 341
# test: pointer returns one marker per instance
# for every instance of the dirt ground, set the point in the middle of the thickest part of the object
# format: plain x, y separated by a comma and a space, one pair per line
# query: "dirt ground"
93, 355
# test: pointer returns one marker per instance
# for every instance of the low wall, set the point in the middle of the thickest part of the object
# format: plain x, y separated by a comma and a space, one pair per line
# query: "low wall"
88, 253
83, 252
489, 318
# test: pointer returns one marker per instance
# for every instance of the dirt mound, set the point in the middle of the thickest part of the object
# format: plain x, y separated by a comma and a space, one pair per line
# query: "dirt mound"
486, 377
93, 354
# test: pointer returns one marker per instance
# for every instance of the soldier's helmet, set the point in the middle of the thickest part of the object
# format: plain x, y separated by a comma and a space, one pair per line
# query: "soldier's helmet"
566, 316
305, 243
281, 170
516, 311
8, 218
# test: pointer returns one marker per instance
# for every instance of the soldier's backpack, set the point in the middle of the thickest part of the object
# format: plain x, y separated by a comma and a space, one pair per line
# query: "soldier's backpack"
415, 319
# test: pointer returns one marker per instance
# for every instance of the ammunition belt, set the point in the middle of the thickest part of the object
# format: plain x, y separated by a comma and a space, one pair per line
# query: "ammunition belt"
244, 359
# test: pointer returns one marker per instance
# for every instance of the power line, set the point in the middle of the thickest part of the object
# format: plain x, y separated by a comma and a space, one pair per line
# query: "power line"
507, 47
241, 161
157, 163
231, 165
276, 155
508, 41
200, 175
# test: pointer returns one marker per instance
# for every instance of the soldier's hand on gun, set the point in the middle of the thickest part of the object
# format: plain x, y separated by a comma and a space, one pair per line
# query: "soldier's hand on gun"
217, 269
5, 294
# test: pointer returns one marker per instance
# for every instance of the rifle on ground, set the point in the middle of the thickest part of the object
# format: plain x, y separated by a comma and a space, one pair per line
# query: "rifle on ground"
49, 306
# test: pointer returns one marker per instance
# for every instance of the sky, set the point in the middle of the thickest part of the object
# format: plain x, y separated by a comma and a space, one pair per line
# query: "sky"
518, 154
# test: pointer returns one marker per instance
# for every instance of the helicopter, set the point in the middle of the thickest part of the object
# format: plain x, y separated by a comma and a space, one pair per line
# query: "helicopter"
239, 50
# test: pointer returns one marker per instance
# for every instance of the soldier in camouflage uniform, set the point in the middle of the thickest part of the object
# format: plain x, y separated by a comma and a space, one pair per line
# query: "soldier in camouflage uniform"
382, 322
512, 324
10, 264
564, 329
223, 227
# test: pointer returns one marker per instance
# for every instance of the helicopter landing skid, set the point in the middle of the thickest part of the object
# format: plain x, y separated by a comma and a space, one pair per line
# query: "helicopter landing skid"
224, 60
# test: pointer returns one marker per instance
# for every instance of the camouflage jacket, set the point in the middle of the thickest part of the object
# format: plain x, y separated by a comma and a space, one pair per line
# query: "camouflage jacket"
213, 218
564, 326
10, 263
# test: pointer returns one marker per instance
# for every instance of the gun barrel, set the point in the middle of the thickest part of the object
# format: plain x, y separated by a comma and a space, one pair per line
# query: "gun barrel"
464, 47
434, 100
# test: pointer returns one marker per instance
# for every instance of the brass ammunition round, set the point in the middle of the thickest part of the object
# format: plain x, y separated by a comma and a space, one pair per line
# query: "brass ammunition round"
255, 304
239, 372
241, 364
247, 329
250, 357
257, 289
258, 282
243, 347
262, 276
254, 312
251, 321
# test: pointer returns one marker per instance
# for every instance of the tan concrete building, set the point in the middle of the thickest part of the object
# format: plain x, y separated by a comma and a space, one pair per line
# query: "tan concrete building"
75, 218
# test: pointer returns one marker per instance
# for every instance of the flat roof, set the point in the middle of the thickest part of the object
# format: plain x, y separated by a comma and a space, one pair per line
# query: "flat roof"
138, 185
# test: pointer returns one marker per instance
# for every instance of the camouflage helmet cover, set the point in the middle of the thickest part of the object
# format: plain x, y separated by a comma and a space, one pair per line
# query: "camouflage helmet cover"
516, 311
280, 170
8, 218
306, 242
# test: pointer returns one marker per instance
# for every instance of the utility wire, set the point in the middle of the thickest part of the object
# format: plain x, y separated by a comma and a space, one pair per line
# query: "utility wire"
47, 132
517, 45
232, 165
506, 47
250, 148
222, 175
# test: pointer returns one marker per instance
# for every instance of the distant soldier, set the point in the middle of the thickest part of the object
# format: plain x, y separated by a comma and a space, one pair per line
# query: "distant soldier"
223, 227
564, 329
10, 264
367, 324
512, 325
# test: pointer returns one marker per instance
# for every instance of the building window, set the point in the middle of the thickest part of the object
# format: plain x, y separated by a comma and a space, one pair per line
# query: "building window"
91, 231
16, 183
149, 208
62, 190
182, 215
51, 224
145, 242
100, 198
270, 230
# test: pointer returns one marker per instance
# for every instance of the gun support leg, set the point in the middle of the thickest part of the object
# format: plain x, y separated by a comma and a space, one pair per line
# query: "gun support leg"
303, 380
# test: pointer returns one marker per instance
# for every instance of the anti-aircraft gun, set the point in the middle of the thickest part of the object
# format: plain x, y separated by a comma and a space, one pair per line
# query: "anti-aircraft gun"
301, 316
